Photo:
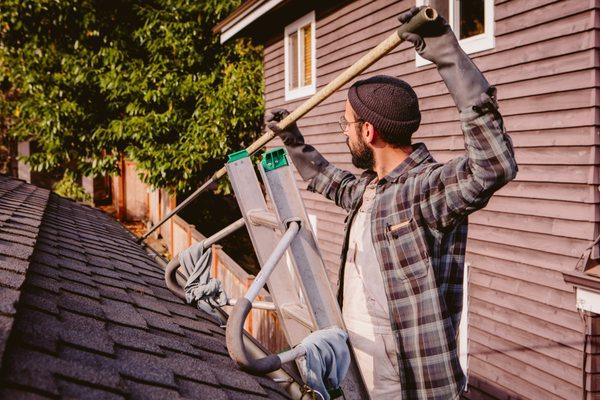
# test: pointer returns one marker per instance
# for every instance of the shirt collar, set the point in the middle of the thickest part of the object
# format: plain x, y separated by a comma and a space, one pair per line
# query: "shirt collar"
418, 155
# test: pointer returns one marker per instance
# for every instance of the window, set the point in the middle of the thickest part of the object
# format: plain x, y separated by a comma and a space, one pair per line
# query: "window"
471, 20
299, 52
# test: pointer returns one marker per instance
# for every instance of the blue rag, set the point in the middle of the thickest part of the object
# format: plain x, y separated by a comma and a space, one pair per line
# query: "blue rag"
200, 288
327, 359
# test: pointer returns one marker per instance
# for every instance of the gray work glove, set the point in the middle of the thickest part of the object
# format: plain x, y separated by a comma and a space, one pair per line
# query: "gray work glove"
307, 159
436, 42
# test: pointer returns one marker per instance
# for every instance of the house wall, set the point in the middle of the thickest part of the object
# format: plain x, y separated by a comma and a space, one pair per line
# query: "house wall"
525, 336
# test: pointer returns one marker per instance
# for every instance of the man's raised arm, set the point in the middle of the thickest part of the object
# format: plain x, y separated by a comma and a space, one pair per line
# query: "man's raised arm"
448, 192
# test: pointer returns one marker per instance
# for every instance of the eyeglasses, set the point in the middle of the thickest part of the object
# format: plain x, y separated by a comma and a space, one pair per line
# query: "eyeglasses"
344, 123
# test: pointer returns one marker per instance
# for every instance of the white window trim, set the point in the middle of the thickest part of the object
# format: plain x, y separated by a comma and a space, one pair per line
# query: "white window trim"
463, 330
474, 44
293, 27
312, 218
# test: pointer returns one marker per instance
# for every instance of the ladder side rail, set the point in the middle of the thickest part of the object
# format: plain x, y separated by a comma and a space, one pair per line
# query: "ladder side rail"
235, 323
309, 266
250, 198
304, 251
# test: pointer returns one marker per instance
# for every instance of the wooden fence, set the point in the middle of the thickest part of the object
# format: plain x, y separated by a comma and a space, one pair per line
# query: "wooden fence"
130, 196
134, 200
178, 235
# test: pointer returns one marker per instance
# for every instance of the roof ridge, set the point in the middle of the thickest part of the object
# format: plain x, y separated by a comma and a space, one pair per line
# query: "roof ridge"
22, 210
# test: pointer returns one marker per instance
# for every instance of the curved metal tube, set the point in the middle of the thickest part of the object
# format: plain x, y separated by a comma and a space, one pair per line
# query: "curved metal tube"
173, 265
229, 229
271, 263
234, 335
171, 278
281, 376
235, 323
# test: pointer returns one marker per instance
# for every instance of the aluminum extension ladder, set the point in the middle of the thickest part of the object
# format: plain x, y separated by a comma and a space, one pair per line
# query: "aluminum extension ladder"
302, 295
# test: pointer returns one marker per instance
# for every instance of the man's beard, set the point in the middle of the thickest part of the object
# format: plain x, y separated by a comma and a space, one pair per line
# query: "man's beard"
362, 156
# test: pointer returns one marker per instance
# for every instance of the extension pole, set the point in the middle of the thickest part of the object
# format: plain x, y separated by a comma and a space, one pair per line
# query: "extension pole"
426, 15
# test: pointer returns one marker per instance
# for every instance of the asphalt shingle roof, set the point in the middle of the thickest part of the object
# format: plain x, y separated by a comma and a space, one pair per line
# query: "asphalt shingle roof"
84, 313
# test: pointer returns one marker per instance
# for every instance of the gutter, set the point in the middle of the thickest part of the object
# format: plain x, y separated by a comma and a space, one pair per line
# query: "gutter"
243, 16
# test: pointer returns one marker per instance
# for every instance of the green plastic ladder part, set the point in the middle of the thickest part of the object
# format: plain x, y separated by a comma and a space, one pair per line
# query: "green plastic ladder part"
238, 155
274, 158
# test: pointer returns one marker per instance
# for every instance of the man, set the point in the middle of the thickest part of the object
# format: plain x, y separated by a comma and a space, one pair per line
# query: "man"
401, 276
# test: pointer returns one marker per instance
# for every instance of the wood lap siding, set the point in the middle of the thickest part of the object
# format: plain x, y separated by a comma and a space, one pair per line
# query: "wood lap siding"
525, 336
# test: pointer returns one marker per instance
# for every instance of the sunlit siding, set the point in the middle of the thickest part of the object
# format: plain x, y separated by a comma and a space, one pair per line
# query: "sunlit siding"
525, 336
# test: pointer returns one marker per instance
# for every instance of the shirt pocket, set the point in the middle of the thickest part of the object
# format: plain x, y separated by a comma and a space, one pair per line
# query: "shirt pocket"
408, 249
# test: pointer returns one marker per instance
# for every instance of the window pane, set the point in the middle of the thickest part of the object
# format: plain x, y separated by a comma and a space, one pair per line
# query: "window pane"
472, 19
441, 6
306, 34
293, 60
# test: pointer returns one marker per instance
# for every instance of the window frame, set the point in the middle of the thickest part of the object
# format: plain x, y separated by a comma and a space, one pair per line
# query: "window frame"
463, 327
307, 90
473, 44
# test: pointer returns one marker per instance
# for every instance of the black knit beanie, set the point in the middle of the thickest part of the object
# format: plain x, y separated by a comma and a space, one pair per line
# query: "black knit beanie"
390, 104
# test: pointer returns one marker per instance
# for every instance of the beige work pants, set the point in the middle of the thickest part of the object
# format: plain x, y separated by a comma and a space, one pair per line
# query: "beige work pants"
377, 359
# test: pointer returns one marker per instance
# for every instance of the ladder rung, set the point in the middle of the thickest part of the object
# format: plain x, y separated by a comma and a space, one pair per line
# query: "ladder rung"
298, 313
264, 218
262, 305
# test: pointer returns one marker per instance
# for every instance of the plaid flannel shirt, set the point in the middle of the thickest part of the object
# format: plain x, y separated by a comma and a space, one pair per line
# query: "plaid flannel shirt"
419, 230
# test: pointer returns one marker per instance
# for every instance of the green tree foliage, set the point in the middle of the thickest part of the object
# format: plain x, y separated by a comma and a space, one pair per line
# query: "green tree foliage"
91, 79
69, 187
